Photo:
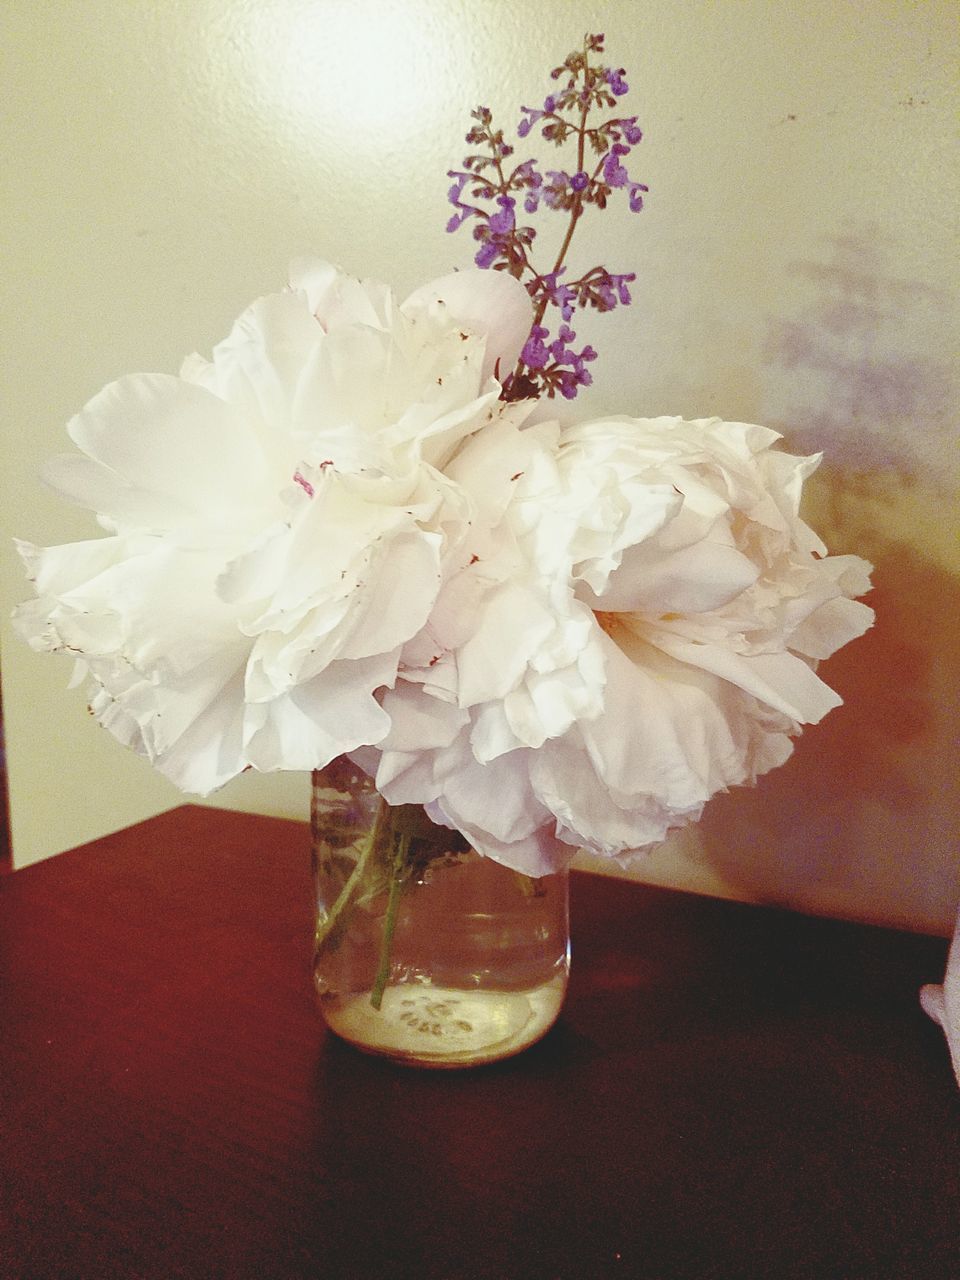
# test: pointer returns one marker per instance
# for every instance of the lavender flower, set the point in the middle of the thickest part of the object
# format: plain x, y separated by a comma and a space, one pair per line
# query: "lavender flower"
488, 188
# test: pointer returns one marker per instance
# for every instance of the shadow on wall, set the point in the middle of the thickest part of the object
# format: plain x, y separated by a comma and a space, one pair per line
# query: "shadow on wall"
862, 821
852, 372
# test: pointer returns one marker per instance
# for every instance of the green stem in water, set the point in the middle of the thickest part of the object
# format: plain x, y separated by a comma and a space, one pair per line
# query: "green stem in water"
398, 877
367, 849
398, 833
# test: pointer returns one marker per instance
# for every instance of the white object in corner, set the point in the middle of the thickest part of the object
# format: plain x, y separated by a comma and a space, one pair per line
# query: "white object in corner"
943, 1003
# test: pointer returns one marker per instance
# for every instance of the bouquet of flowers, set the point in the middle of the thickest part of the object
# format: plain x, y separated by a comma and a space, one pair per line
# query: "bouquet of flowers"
356, 530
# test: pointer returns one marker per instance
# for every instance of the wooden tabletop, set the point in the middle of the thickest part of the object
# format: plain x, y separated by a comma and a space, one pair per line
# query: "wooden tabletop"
731, 1092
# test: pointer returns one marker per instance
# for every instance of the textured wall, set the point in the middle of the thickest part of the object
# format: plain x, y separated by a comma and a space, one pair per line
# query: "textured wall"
164, 159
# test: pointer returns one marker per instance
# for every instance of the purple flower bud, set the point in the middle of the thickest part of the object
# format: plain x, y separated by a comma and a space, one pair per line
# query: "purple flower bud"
618, 86
637, 192
556, 191
503, 223
579, 181
561, 295
486, 255
530, 118
614, 174
631, 132
534, 354
456, 191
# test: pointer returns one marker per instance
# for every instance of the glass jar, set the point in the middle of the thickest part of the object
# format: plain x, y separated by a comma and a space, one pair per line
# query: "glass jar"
426, 952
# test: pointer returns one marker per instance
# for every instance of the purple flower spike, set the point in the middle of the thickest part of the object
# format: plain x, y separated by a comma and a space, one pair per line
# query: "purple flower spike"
488, 188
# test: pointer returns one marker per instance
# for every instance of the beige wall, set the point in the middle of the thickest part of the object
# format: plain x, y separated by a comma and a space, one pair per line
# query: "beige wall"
164, 159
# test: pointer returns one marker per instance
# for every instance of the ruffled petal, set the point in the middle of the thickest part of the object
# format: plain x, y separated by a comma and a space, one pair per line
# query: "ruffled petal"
332, 714
170, 440
491, 304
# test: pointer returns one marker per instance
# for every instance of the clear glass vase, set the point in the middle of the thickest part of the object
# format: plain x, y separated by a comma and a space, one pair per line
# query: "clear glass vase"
427, 952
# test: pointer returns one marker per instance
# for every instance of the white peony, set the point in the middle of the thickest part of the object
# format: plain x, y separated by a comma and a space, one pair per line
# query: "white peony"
637, 628
279, 524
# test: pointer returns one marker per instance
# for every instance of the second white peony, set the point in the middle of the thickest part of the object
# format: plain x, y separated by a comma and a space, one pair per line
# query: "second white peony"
638, 628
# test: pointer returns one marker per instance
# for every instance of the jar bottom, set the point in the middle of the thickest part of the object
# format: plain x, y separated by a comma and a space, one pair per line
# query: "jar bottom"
436, 1026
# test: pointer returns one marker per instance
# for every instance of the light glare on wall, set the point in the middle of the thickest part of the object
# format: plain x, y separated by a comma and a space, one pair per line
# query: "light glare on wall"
373, 72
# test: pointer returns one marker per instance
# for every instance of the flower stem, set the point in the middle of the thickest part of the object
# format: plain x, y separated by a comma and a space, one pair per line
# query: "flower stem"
575, 214
397, 879
367, 849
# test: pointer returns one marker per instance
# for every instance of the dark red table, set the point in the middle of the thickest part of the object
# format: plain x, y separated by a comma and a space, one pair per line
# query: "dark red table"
731, 1092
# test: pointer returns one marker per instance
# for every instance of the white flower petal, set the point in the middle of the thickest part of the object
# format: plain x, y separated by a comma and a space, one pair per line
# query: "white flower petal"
328, 716
336, 298
210, 750
171, 439
260, 368
489, 303
538, 854
419, 723
831, 626
779, 680
398, 600
693, 579
513, 626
